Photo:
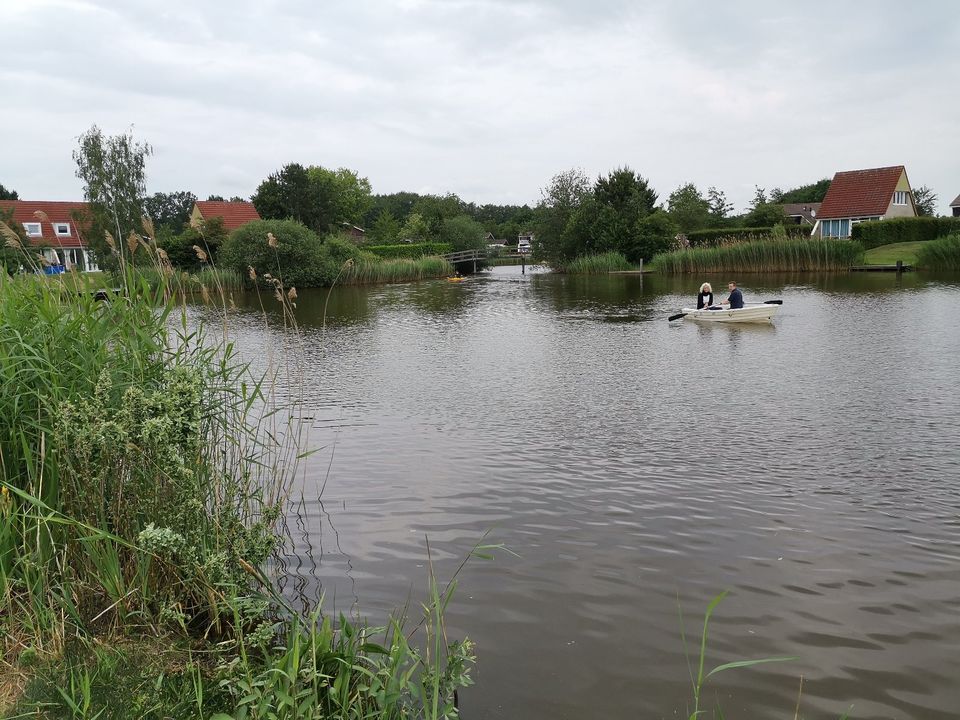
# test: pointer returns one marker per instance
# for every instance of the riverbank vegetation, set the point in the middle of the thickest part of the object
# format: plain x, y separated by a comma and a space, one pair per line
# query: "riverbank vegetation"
940, 254
599, 264
772, 255
144, 476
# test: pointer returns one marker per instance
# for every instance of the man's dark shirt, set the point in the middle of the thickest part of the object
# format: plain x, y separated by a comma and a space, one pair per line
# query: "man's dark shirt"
735, 299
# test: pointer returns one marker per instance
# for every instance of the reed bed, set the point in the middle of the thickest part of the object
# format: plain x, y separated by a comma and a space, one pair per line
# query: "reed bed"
599, 264
773, 255
143, 476
373, 270
940, 254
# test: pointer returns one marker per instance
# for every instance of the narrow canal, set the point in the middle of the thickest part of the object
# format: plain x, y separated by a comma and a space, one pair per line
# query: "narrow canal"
637, 468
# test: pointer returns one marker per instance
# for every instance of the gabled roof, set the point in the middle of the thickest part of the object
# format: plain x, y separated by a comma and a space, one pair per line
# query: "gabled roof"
956, 202
808, 211
861, 193
234, 214
33, 211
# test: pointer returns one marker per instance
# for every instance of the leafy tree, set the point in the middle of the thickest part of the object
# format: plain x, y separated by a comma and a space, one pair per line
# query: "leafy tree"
654, 234
415, 228
720, 207
170, 210
286, 194
340, 195
385, 230
215, 198
8, 194
317, 197
814, 192
463, 233
625, 191
759, 197
688, 209
925, 200
764, 215
399, 204
208, 235
113, 170
436, 209
560, 200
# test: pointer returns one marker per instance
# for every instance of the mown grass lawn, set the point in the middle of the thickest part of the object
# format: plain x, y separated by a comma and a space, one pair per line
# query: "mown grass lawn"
889, 254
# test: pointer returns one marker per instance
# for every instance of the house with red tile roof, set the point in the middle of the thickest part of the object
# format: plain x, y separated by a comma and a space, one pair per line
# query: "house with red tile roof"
56, 229
233, 214
861, 195
955, 206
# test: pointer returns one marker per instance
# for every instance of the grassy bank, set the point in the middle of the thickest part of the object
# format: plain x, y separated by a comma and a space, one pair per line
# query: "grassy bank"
144, 476
774, 255
940, 254
889, 254
598, 264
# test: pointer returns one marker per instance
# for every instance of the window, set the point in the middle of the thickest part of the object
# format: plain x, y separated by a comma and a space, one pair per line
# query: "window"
900, 197
62, 229
33, 229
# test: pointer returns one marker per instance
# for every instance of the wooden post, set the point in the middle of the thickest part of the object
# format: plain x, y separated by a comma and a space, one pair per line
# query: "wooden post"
641, 266
899, 266
523, 264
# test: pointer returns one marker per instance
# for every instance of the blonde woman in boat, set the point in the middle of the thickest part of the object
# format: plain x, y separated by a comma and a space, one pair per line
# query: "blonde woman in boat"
705, 296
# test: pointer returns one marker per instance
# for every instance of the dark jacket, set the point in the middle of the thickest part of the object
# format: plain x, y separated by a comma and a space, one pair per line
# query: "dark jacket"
704, 300
735, 299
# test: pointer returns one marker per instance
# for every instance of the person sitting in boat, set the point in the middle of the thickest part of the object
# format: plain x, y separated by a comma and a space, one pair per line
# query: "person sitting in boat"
735, 301
705, 296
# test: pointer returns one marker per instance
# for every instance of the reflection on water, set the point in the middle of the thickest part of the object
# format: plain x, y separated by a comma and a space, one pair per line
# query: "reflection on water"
810, 467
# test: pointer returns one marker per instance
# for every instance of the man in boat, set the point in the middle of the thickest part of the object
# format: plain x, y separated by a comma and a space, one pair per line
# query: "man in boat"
735, 301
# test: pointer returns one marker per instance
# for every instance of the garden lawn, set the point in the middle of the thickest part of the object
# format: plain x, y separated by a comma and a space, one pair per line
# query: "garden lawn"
889, 254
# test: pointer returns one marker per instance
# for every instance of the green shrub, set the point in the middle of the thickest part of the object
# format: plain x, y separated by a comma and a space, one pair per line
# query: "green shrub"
409, 250
940, 254
713, 237
763, 256
295, 254
908, 229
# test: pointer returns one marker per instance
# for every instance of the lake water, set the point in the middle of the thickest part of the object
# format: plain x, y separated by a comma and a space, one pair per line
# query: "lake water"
639, 467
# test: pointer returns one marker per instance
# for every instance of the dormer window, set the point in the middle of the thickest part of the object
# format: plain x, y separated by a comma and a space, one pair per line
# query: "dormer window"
900, 197
62, 229
33, 229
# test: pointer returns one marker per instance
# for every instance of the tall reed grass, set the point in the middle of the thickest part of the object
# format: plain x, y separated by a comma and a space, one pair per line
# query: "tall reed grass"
143, 475
773, 255
373, 270
599, 264
940, 254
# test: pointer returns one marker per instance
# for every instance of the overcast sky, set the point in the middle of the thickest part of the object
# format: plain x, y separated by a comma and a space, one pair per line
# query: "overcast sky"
484, 98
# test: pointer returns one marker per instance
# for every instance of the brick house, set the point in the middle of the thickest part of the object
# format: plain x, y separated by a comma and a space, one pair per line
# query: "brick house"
861, 195
56, 229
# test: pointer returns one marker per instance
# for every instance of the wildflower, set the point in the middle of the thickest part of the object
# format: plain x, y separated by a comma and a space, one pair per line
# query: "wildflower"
201, 255
41, 216
292, 293
251, 272
132, 241
271, 240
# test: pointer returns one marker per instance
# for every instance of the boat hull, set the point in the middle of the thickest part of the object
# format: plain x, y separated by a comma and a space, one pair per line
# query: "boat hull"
759, 313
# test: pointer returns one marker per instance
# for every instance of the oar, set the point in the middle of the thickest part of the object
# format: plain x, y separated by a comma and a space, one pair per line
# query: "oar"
675, 317
773, 302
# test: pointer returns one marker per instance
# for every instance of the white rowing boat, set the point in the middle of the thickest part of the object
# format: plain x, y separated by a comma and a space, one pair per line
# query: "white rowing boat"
749, 313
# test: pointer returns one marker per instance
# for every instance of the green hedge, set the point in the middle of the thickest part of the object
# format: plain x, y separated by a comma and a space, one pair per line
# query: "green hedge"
908, 229
409, 250
714, 236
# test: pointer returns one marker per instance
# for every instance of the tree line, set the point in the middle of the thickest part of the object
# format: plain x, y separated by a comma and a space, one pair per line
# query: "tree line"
618, 211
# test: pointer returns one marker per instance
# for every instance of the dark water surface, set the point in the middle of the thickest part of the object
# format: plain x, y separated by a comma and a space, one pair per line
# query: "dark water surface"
810, 467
